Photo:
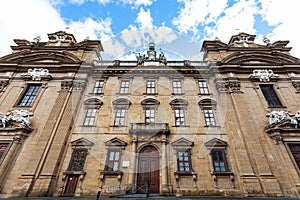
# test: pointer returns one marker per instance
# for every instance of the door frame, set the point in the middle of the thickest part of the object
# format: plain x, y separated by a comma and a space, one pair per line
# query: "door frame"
156, 158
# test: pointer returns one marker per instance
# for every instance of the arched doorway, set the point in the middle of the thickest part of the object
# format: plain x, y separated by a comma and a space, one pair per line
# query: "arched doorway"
148, 170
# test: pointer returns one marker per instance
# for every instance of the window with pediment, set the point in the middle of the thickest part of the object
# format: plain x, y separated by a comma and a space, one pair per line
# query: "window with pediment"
92, 106
218, 155
115, 148
179, 106
80, 151
120, 109
208, 107
183, 149
150, 107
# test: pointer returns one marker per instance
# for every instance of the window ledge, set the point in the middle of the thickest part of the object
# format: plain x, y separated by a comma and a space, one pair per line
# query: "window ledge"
185, 126
112, 173
222, 173
118, 126
74, 172
94, 93
88, 126
123, 94
179, 173
277, 107
179, 94
216, 126
152, 94
206, 94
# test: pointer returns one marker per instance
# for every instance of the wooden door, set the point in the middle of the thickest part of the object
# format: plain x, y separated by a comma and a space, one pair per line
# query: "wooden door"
148, 170
71, 185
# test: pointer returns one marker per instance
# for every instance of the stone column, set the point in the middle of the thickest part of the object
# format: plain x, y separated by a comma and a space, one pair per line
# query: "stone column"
164, 168
10, 158
132, 172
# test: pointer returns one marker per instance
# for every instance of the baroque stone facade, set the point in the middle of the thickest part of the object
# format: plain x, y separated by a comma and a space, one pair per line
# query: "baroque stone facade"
72, 124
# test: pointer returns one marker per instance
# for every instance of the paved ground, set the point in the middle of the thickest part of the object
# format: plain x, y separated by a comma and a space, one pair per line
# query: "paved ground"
148, 198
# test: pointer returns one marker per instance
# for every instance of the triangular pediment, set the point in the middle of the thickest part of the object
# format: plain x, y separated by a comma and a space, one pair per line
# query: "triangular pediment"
82, 142
215, 142
116, 142
182, 142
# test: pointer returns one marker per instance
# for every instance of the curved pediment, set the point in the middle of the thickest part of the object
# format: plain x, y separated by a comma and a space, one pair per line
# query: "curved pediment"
259, 57
41, 57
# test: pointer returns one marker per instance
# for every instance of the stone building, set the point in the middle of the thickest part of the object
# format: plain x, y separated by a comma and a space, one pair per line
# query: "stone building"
72, 124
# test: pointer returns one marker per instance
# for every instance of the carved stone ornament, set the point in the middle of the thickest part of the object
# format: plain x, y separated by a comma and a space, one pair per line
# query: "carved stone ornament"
231, 86
15, 118
37, 74
278, 117
264, 75
296, 85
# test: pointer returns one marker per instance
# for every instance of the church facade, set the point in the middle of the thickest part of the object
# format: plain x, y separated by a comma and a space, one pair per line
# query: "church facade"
73, 124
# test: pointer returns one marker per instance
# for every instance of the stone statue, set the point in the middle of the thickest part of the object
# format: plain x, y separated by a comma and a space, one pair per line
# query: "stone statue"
21, 117
295, 121
277, 117
3, 120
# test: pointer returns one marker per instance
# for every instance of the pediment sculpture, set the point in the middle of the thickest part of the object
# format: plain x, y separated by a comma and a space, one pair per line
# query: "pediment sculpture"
15, 118
279, 117
37, 74
264, 75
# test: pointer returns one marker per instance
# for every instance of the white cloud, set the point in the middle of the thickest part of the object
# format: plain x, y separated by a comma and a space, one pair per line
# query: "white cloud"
91, 29
144, 19
211, 19
80, 2
238, 18
197, 12
27, 19
138, 3
284, 15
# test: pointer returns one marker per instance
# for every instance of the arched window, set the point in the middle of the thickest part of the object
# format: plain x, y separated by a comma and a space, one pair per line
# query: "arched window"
92, 106
179, 106
120, 106
150, 107
208, 106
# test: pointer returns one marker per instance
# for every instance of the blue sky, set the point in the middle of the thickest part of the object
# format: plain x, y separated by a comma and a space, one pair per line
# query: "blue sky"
178, 27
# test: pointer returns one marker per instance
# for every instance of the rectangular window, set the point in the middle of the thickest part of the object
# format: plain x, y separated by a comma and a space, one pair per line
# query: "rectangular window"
29, 95
177, 89
184, 161
98, 87
150, 87
295, 150
203, 88
219, 160
90, 117
77, 159
120, 117
270, 96
209, 117
124, 88
149, 115
113, 160
179, 117
3, 148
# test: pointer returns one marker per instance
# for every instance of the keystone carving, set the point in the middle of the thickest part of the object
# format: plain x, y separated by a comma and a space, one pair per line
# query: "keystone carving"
263, 75
17, 118
37, 74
